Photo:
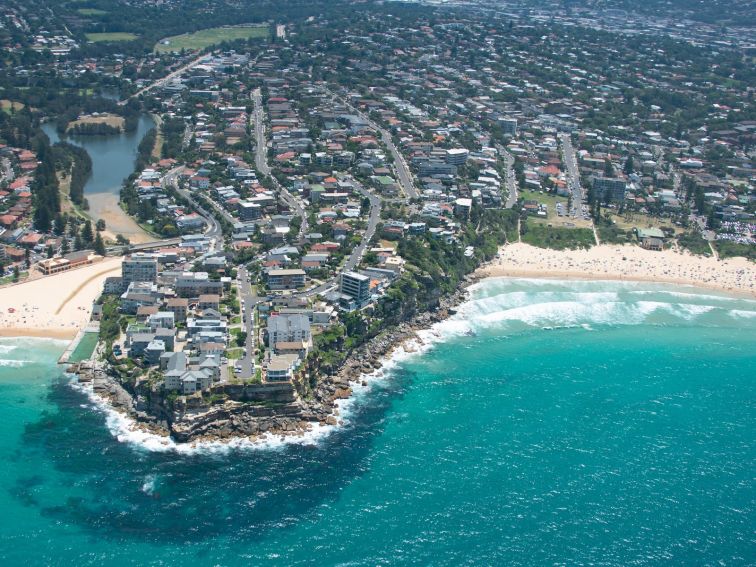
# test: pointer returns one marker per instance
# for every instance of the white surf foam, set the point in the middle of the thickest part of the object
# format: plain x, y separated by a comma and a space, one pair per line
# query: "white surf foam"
149, 484
571, 304
742, 314
501, 303
14, 363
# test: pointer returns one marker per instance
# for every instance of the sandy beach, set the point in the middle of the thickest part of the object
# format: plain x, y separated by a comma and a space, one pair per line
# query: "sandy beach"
628, 262
54, 306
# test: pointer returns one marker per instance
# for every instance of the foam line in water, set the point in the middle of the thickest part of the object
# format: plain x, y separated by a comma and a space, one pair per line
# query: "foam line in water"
126, 430
14, 363
494, 304
517, 303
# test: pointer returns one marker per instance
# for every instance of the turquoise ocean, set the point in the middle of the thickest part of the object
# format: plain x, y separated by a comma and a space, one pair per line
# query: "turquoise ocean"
548, 422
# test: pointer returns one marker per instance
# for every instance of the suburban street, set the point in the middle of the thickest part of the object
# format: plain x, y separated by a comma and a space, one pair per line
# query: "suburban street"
356, 255
261, 161
375, 216
250, 300
510, 181
400, 165
573, 175
213, 227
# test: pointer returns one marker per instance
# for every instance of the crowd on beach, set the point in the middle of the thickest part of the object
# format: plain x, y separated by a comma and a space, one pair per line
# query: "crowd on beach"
54, 306
625, 263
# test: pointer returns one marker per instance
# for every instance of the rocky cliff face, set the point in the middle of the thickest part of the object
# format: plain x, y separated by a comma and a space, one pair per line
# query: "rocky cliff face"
234, 419
253, 410
370, 356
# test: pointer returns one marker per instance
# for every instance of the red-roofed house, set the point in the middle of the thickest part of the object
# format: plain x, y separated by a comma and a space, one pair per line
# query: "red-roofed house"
8, 221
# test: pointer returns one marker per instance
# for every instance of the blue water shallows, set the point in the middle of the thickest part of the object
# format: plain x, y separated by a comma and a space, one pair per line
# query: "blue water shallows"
552, 422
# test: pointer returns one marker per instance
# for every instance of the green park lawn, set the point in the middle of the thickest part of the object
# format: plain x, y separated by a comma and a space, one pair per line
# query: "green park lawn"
111, 36
558, 238
205, 38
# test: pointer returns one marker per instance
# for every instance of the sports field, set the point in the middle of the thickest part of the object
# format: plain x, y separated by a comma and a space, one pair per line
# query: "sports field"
112, 36
205, 38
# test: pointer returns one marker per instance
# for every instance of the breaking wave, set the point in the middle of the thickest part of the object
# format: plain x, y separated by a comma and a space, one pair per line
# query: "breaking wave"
497, 305
14, 363
513, 304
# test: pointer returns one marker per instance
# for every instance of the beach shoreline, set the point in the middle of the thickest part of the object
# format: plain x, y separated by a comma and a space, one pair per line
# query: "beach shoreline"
364, 364
56, 306
624, 263
20, 332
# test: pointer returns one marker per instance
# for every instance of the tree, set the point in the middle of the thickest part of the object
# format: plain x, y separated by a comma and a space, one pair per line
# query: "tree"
49, 250
42, 219
86, 233
78, 244
241, 338
99, 245
16, 274
59, 225
629, 165
608, 169
65, 248
27, 258
100, 225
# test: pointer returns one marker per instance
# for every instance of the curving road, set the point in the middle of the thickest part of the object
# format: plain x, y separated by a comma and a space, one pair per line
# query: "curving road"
168, 78
261, 161
213, 228
400, 165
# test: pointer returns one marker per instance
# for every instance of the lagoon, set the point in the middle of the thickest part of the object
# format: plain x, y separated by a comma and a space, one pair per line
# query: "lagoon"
113, 158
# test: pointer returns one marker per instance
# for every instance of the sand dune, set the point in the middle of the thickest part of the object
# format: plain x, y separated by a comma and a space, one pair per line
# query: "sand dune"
624, 263
54, 306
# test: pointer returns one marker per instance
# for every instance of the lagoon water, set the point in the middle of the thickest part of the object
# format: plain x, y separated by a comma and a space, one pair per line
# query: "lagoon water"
550, 422
113, 158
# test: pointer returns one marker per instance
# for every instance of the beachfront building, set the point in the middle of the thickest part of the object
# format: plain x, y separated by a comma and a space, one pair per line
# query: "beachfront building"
208, 301
610, 189
356, 287
188, 382
650, 238
178, 306
286, 279
457, 156
139, 267
197, 326
281, 367
288, 328
70, 261
194, 284
139, 294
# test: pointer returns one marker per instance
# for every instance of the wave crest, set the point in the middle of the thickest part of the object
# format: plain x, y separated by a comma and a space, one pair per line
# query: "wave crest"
517, 304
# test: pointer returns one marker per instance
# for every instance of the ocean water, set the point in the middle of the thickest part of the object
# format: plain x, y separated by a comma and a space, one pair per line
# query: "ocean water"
547, 423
